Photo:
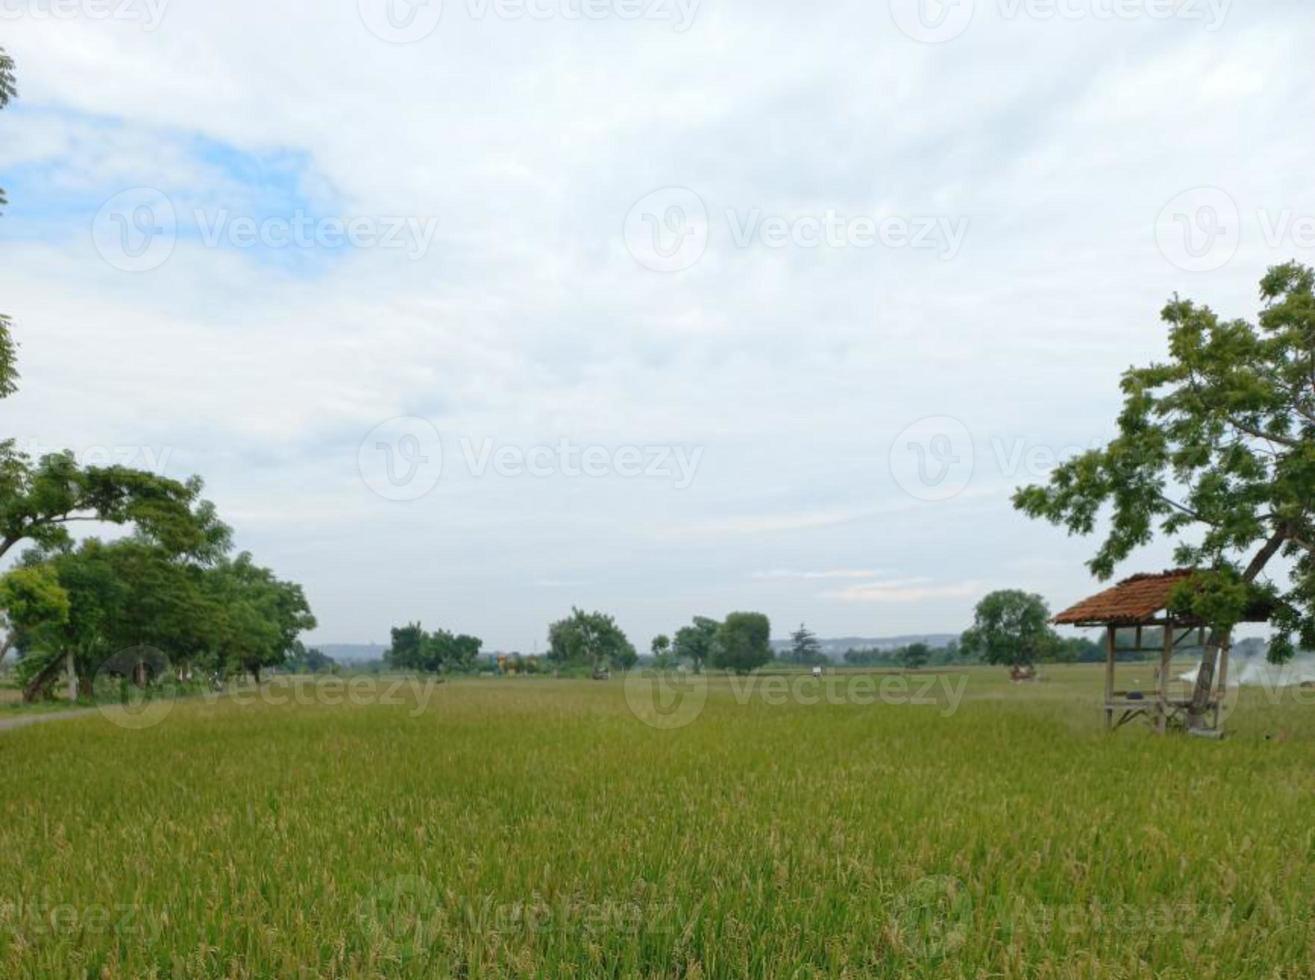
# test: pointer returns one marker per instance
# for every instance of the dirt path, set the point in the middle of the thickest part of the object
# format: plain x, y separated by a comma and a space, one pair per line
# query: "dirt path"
22, 721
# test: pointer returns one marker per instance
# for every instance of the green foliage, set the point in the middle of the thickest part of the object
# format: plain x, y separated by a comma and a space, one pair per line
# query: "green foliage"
590, 639
8, 359
915, 655
39, 501
1216, 451
697, 642
1011, 627
257, 617
441, 652
32, 598
804, 648
743, 642
8, 352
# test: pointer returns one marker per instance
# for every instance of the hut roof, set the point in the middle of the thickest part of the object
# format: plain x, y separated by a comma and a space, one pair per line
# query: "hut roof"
1134, 600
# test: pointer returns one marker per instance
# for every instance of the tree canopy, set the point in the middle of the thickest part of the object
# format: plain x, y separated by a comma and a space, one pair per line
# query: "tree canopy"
697, 642
1011, 627
441, 652
590, 639
743, 642
1215, 451
804, 647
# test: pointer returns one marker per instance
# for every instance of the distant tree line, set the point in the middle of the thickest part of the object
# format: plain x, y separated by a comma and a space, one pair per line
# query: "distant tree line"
440, 652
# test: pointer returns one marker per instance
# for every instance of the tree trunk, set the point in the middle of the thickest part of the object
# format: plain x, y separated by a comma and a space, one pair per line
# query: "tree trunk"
6, 646
41, 683
71, 669
1218, 639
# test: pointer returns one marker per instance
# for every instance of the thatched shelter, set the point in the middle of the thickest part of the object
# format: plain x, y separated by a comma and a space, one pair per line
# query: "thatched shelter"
1137, 604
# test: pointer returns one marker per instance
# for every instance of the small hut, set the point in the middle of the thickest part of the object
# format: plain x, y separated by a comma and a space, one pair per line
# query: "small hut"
1136, 605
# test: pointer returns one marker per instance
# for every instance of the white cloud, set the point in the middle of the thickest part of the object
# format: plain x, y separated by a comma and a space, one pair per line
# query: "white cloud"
529, 321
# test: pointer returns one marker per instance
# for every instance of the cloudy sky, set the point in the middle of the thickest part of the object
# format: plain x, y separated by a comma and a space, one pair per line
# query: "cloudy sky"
474, 311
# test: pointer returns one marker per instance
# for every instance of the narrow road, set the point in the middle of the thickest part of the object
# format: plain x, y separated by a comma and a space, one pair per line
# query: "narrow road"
22, 721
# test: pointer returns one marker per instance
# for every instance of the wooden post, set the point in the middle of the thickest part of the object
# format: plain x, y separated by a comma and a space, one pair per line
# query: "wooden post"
1162, 695
1110, 646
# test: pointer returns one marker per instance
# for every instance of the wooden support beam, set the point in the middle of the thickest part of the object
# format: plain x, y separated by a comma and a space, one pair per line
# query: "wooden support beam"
1162, 692
1111, 635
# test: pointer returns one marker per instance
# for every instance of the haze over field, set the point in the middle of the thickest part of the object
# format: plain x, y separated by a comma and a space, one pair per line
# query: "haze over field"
669, 291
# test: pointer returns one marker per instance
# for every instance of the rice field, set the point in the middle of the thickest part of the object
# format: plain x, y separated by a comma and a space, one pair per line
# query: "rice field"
543, 828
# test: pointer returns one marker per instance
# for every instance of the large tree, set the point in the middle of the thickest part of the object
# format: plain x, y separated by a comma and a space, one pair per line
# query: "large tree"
1011, 627
743, 642
590, 639
697, 642
805, 648
1215, 451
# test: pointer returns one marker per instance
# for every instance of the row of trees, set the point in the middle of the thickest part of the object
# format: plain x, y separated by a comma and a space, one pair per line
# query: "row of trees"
167, 593
739, 643
441, 652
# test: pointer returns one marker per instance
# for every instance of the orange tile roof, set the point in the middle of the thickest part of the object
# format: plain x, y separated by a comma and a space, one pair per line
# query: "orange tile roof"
1132, 601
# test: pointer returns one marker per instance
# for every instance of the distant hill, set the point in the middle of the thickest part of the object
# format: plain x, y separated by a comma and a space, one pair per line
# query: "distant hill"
348, 653
835, 647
